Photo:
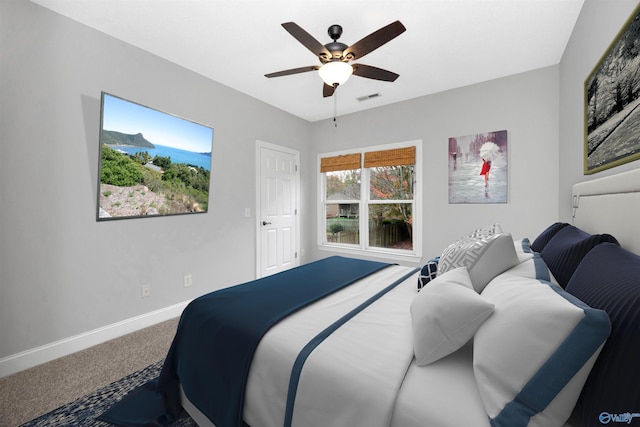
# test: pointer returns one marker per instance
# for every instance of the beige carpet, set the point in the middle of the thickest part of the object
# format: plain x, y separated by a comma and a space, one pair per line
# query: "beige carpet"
36, 391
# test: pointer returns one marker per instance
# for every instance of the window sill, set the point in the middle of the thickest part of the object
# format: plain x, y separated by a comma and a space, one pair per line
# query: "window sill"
403, 257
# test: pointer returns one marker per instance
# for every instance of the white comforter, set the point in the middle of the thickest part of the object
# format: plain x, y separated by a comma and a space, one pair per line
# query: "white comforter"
363, 363
365, 373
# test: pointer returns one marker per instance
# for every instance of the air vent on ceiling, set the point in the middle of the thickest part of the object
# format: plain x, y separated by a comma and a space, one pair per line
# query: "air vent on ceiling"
368, 97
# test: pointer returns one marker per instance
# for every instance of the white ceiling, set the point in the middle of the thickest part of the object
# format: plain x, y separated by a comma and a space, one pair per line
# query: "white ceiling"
448, 43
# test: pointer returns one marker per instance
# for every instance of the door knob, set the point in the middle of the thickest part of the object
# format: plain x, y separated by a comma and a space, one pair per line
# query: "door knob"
265, 223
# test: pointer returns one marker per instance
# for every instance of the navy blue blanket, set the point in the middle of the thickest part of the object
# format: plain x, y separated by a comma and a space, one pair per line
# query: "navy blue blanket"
219, 332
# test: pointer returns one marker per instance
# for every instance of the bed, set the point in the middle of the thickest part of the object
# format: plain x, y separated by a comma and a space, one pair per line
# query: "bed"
541, 331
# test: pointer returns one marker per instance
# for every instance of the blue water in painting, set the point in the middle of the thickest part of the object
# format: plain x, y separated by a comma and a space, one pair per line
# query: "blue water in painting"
177, 155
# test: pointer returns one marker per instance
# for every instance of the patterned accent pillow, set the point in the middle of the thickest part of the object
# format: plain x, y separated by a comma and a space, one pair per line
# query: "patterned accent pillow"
484, 232
484, 257
428, 273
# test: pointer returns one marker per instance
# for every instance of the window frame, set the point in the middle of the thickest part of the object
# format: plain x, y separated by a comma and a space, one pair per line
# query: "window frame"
363, 248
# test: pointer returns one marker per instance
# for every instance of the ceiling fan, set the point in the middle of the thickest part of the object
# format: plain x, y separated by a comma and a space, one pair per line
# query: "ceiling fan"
335, 56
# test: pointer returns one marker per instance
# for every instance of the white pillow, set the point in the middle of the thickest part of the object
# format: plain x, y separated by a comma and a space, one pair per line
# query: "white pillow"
523, 249
484, 257
533, 355
445, 315
533, 268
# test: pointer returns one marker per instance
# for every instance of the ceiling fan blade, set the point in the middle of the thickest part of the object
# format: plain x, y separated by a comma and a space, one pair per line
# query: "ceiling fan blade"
327, 90
293, 71
374, 41
374, 73
307, 40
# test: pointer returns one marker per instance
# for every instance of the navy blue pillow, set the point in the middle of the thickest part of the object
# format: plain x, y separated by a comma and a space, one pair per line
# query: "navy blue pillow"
566, 249
548, 233
428, 273
608, 278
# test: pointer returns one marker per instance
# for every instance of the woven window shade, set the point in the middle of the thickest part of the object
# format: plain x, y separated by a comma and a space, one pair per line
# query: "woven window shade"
340, 163
396, 157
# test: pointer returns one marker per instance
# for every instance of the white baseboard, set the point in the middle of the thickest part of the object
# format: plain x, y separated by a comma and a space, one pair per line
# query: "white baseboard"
45, 353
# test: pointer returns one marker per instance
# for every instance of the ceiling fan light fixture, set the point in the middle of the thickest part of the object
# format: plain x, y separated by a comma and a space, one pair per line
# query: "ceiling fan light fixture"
335, 72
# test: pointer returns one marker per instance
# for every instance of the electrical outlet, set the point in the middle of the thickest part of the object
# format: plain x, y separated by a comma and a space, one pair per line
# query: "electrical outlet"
146, 291
187, 281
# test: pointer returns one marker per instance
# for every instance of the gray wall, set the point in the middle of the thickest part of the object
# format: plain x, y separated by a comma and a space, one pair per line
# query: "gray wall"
598, 24
526, 105
61, 272
543, 111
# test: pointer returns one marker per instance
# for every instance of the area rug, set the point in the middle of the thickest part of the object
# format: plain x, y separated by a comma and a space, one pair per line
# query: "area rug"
84, 411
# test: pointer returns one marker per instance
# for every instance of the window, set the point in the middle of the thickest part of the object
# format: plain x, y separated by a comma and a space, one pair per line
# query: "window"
369, 201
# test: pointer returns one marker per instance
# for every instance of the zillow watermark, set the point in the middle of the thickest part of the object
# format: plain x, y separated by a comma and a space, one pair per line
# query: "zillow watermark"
627, 417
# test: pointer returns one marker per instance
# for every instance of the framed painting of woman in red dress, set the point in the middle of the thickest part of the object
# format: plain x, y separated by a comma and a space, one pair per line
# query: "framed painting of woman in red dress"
478, 168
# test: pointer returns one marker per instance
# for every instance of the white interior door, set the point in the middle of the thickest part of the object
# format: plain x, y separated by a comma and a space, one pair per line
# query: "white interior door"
277, 211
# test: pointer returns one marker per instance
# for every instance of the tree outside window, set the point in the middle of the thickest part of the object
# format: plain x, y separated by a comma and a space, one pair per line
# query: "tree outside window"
390, 224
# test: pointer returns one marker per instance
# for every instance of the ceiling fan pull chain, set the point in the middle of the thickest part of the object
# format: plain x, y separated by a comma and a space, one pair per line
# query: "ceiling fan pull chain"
335, 108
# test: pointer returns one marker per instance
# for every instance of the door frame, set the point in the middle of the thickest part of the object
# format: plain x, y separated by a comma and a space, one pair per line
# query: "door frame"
258, 210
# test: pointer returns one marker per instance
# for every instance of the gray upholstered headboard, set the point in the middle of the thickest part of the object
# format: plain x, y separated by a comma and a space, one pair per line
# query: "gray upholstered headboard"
610, 205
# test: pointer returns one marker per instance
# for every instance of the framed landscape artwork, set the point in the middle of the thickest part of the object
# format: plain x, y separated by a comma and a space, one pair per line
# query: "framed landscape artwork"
151, 163
478, 168
612, 97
